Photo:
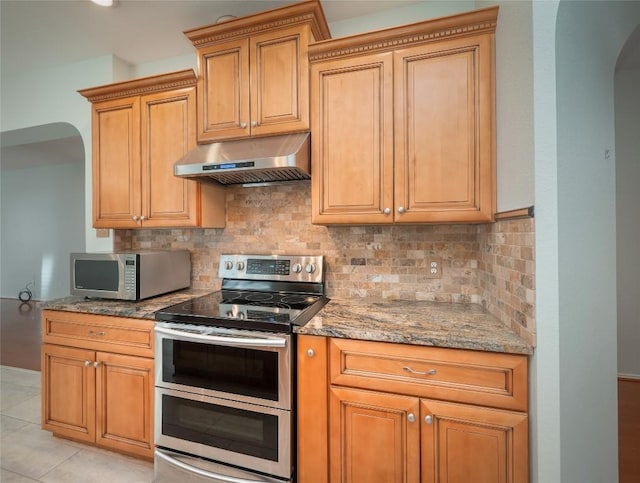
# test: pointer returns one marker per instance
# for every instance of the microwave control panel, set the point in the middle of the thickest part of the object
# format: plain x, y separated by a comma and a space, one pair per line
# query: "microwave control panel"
130, 274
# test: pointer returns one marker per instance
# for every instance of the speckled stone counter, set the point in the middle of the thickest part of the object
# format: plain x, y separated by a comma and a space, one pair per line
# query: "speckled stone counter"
460, 326
120, 308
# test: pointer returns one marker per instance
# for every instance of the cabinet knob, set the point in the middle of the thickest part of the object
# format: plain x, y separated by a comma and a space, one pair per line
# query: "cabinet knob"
135, 218
96, 364
387, 211
401, 209
310, 352
142, 218
411, 417
87, 363
243, 125
254, 123
428, 419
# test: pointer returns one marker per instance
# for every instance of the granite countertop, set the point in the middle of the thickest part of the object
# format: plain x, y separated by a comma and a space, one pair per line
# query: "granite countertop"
438, 324
144, 309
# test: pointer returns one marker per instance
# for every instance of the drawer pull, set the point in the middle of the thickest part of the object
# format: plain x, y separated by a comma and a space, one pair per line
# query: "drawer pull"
430, 372
93, 332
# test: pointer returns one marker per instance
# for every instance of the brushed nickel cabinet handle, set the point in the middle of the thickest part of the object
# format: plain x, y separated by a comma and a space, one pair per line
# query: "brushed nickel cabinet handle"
430, 372
428, 419
93, 332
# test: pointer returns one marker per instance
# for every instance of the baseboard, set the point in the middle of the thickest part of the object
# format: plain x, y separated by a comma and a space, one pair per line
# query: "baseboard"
629, 377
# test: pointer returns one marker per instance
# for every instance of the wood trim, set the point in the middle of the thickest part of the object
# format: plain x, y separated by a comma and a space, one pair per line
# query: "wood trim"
515, 214
477, 21
628, 429
143, 85
303, 12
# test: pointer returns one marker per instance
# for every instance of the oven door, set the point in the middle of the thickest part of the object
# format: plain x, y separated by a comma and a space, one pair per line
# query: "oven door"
247, 366
240, 434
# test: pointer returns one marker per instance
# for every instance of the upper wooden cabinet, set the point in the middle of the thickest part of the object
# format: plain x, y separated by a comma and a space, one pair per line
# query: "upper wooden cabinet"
403, 123
253, 72
140, 128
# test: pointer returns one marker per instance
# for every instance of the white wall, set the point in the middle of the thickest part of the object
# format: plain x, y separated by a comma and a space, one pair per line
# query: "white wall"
627, 115
589, 36
41, 207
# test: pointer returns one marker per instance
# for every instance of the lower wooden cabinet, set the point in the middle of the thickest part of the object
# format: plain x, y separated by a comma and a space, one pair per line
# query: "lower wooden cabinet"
400, 434
94, 396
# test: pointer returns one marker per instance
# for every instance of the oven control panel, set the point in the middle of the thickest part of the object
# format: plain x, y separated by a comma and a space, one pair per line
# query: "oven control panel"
296, 268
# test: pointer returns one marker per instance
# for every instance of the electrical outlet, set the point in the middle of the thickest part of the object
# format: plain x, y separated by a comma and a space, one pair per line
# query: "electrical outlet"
434, 267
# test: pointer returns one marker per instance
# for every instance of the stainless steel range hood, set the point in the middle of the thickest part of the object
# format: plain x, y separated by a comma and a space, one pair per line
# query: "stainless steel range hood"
265, 160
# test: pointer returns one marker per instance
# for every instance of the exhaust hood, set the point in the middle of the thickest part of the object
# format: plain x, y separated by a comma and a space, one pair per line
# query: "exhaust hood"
261, 161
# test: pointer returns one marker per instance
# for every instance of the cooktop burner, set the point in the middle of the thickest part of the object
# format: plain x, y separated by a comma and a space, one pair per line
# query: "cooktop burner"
259, 292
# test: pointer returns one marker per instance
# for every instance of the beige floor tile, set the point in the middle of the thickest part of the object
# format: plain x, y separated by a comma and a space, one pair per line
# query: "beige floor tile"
9, 424
33, 452
28, 410
22, 377
11, 477
95, 465
13, 394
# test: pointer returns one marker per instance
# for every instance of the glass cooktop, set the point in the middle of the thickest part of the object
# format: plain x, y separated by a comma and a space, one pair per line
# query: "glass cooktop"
246, 309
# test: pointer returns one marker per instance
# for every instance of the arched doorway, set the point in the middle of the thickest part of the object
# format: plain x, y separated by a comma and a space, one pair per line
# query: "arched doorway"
42, 203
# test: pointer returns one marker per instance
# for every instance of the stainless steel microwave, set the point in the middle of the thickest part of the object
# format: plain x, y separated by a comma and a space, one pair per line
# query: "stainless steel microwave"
133, 275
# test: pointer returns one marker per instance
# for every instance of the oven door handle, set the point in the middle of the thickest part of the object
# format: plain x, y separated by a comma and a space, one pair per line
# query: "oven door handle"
199, 471
231, 341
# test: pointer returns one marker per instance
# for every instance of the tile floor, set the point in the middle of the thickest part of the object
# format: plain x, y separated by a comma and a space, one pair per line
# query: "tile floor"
29, 454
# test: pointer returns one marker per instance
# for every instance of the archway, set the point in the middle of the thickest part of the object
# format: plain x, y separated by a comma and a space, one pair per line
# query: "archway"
42, 175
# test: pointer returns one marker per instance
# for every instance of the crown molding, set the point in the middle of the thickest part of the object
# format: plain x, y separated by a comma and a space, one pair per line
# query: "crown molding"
470, 23
309, 13
144, 85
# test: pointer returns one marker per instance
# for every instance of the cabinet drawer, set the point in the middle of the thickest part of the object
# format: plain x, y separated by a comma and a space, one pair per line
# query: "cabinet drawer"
98, 332
483, 378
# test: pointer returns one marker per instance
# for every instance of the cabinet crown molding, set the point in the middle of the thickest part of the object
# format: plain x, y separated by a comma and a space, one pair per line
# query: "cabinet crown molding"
309, 12
469, 23
144, 85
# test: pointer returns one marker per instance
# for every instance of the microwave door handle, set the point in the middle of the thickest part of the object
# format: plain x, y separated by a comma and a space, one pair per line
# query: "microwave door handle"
231, 341
199, 471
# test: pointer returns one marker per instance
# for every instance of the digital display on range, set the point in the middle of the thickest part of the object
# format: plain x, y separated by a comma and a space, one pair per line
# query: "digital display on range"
268, 267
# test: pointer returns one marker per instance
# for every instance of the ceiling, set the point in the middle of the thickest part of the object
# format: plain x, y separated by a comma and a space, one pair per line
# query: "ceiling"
45, 33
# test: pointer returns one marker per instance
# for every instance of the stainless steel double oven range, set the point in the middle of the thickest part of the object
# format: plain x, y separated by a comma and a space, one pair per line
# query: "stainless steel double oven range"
225, 372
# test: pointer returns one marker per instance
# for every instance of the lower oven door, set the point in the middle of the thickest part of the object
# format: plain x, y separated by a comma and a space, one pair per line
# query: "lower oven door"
172, 467
246, 435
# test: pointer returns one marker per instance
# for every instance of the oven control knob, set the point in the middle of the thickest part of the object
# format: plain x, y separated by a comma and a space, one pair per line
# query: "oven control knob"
228, 265
310, 268
240, 266
297, 268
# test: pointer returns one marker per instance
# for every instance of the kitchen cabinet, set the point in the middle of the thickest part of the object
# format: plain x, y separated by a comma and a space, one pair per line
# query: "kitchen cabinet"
403, 124
396, 412
140, 128
98, 380
253, 72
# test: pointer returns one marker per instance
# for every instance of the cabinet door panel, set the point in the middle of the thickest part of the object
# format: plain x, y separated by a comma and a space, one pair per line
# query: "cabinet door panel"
116, 163
124, 395
168, 133
223, 109
443, 144
352, 145
68, 392
371, 439
467, 443
279, 81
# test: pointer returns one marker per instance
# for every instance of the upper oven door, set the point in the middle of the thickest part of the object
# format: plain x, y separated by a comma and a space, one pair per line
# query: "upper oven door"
246, 366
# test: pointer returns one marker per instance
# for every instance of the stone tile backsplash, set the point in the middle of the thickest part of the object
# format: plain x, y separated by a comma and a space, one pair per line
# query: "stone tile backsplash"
387, 262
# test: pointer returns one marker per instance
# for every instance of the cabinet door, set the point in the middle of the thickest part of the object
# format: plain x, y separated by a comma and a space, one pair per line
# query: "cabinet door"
374, 437
279, 72
444, 152
313, 443
223, 81
352, 142
68, 392
116, 163
124, 403
168, 133
466, 443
